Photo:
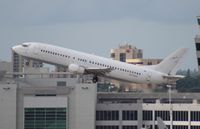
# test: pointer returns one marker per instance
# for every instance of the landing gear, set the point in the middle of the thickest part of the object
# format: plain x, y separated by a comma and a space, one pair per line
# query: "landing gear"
95, 79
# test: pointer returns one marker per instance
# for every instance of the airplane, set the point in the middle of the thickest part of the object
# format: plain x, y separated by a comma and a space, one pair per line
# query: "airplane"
83, 63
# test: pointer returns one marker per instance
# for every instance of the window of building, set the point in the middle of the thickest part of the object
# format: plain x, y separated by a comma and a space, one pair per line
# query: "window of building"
122, 57
149, 100
73, 76
156, 126
147, 115
198, 46
180, 127
45, 94
107, 115
112, 55
147, 126
198, 61
45, 118
198, 20
165, 115
107, 127
195, 115
129, 115
180, 116
129, 127
195, 127
61, 83
149, 63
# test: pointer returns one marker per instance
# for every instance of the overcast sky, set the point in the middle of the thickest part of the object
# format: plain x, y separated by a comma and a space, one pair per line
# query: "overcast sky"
95, 26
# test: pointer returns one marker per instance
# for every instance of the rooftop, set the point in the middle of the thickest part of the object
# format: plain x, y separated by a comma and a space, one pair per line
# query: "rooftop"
147, 97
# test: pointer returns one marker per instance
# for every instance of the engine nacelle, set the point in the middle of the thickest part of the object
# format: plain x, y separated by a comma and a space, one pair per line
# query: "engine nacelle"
74, 68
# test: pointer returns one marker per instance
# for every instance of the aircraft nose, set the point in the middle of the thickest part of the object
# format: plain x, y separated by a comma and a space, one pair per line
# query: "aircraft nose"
16, 49
13, 48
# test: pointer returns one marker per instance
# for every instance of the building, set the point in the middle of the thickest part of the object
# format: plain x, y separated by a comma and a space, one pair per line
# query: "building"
134, 111
67, 103
18, 63
6, 66
197, 44
144, 61
33, 63
47, 103
126, 52
21, 65
61, 69
132, 55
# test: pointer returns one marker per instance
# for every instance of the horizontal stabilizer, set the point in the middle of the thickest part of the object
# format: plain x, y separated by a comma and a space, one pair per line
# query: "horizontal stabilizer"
174, 77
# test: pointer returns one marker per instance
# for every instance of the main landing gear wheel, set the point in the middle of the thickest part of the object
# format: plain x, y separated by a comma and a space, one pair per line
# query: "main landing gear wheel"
95, 79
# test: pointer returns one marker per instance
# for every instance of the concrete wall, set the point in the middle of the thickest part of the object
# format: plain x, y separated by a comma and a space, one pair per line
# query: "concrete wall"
26, 98
48, 82
5, 66
45, 102
79, 98
8, 106
82, 108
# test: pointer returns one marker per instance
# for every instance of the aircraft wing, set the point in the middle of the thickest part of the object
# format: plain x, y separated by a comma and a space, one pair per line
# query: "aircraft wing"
97, 71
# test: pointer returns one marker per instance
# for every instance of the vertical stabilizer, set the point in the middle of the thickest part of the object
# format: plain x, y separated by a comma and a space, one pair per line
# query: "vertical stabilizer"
171, 63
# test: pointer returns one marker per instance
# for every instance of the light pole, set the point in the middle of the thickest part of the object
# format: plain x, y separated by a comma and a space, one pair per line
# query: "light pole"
170, 104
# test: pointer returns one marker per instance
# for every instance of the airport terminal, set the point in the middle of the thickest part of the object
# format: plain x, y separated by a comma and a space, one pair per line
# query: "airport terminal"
34, 97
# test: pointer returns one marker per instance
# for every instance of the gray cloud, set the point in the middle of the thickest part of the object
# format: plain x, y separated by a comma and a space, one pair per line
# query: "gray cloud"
95, 26
36, 12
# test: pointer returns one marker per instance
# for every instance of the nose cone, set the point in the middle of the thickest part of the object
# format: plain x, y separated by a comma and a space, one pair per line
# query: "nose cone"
16, 49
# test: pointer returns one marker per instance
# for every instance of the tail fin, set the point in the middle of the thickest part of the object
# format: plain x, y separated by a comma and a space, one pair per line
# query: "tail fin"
171, 63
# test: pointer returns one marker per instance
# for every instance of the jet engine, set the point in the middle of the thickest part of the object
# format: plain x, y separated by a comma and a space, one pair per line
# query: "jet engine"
74, 68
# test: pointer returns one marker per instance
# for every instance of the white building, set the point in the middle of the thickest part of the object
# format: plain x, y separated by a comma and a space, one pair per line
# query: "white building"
65, 103
47, 103
134, 111
126, 52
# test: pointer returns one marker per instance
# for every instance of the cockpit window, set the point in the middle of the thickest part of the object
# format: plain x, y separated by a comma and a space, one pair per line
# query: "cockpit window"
25, 45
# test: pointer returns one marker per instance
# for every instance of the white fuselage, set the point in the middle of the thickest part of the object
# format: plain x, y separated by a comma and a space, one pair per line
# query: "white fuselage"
65, 57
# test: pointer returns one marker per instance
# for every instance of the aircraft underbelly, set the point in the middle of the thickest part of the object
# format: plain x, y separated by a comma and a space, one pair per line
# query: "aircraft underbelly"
123, 77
